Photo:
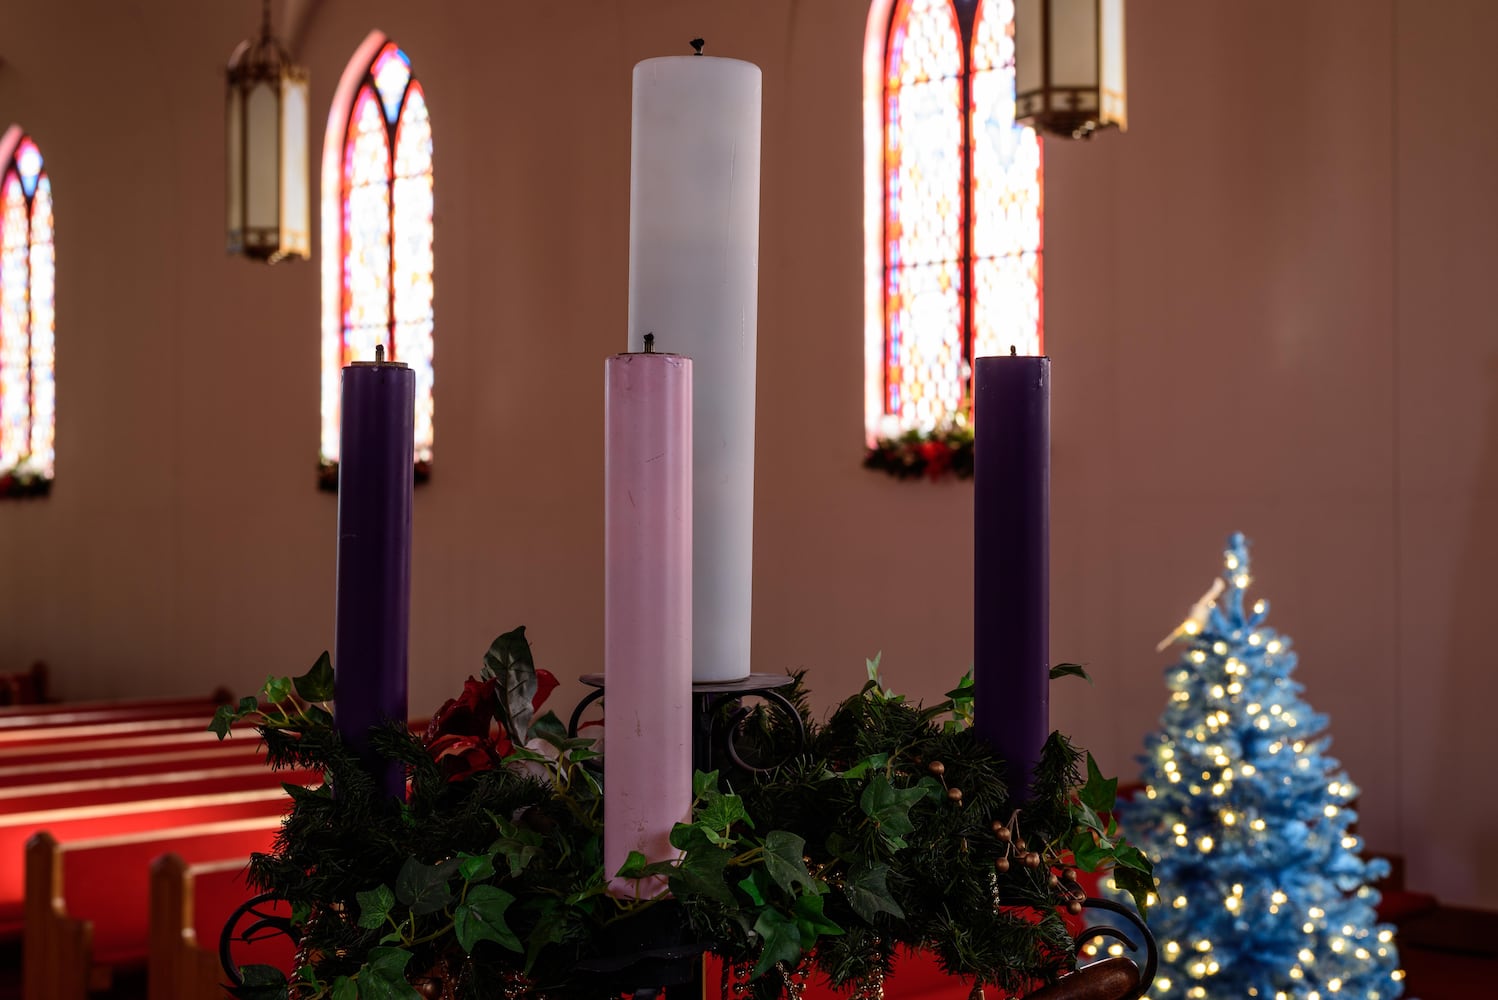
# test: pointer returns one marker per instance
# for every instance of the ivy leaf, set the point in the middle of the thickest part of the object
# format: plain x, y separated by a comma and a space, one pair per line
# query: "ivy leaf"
551, 928
551, 729
1084, 816
702, 864
344, 989
702, 783
424, 888
1129, 856
262, 982
889, 807
1070, 670
475, 867
868, 892
633, 866
750, 886
517, 846
481, 917
1089, 853
701, 873
841, 845
375, 906
811, 922
719, 813
1137, 884
875, 762
782, 941
964, 688
783, 853
383, 976
689, 837
277, 689
1099, 793
316, 684
225, 716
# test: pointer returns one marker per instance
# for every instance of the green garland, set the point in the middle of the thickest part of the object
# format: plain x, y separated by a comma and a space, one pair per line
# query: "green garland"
891, 830
936, 454
20, 482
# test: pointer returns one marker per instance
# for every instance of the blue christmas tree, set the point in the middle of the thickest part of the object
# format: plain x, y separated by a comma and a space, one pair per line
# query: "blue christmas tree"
1262, 889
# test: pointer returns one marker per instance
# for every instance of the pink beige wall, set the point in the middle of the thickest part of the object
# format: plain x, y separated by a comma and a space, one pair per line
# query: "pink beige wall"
1268, 305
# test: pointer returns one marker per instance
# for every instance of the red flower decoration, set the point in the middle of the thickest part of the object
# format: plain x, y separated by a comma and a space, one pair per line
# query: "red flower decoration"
937, 455
464, 737
469, 714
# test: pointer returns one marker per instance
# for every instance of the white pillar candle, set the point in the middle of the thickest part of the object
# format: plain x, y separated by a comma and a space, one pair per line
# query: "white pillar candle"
647, 617
693, 282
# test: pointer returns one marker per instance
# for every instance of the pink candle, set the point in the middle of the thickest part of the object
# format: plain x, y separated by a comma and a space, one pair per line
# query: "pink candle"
647, 656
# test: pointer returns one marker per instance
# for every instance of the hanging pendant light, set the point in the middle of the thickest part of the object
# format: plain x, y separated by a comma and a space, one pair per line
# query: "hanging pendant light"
1069, 66
266, 118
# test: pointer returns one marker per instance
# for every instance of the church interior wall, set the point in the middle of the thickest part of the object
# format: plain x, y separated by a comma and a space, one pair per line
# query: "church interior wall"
1268, 305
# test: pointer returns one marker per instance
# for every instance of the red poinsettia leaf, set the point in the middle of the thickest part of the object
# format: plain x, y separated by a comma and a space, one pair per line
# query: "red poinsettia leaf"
444, 746
469, 714
467, 762
545, 685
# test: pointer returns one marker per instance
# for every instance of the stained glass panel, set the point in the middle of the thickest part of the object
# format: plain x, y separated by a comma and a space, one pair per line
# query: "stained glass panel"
412, 244
27, 388
391, 72
378, 195
1006, 196
366, 232
959, 209
923, 213
15, 322
43, 385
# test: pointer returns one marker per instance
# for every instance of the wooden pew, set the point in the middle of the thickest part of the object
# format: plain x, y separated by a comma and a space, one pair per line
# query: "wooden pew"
83, 751
35, 736
14, 716
90, 791
184, 757
190, 904
27, 687
87, 901
119, 819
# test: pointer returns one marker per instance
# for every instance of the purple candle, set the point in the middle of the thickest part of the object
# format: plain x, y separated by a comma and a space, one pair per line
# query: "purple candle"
375, 473
1011, 561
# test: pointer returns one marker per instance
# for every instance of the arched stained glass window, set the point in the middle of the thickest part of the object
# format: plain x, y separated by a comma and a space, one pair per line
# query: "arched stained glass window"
954, 209
28, 393
377, 234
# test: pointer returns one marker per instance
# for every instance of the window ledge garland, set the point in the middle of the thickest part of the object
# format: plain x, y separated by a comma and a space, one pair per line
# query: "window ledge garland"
327, 474
20, 482
943, 453
488, 882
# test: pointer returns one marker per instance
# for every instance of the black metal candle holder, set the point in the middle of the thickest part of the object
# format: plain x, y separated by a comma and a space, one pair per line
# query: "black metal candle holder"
718, 710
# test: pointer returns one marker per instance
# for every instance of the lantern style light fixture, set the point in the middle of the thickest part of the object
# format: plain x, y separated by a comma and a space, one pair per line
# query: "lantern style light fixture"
1069, 66
268, 213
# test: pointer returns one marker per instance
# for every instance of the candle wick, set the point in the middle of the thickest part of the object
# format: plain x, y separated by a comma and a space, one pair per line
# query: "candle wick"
649, 343
1013, 350
697, 44
379, 353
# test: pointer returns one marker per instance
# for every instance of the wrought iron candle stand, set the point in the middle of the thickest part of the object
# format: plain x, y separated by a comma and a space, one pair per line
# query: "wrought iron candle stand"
718, 710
